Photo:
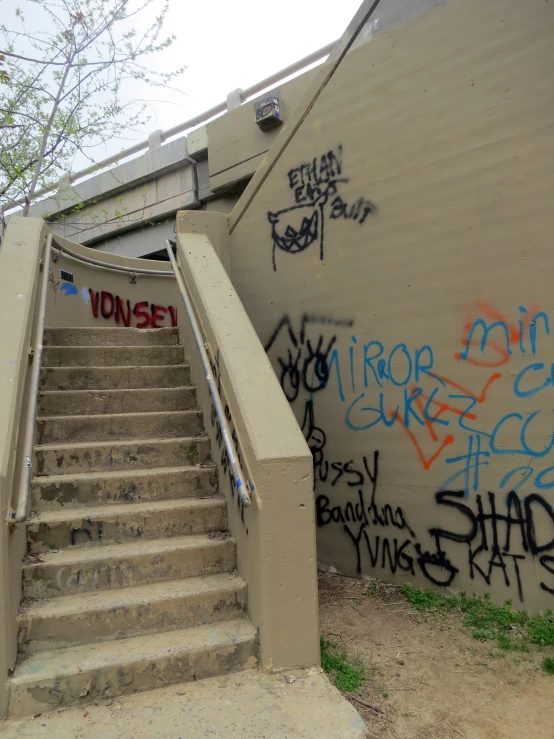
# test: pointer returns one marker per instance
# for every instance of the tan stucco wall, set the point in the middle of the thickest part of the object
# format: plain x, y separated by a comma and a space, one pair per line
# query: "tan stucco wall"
434, 219
92, 298
19, 276
276, 534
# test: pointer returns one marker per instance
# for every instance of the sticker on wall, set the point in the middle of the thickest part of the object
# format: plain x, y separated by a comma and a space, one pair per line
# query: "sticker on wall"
68, 289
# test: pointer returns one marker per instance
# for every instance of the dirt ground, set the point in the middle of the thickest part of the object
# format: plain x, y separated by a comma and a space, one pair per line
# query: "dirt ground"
427, 677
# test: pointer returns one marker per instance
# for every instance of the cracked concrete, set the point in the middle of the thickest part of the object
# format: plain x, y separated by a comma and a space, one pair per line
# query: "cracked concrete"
247, 705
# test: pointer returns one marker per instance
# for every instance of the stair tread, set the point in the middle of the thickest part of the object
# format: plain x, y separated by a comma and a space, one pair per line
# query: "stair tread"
53, 445
119, 474
124, 509
125, 550
67, 605
112, 346
139, 390
103, 368
56, 664
107, 416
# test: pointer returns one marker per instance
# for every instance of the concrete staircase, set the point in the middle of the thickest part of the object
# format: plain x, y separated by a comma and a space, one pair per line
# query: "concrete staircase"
129, 581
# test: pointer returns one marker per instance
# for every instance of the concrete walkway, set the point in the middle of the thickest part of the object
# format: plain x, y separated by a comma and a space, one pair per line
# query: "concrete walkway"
246, 705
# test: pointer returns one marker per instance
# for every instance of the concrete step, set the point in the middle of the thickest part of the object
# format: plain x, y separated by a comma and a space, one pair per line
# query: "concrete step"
101, 488
55, 459
111, 356
81, 402
82, 527
125, 565
93, 336
165, 424
48, 680
115, 614
113, 378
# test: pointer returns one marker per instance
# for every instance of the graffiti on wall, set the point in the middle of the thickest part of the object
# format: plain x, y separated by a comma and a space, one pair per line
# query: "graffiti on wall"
315, 187
216, 427
491, 530
141, 313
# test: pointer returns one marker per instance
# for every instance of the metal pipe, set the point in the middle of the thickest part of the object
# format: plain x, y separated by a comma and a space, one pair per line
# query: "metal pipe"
29, 438
233, 462
273, 79
196, 121
119, 268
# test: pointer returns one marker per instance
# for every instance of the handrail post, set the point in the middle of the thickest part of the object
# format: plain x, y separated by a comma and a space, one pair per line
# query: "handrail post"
233, 463
29, 438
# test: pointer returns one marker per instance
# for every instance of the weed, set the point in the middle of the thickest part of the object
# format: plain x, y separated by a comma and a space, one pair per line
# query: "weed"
517, 661
384, 694
548, 665
373, 589
346, 673
192, 453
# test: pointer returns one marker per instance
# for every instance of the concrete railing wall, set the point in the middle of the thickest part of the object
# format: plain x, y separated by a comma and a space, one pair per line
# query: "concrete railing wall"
19, 280
395, 263
276, 534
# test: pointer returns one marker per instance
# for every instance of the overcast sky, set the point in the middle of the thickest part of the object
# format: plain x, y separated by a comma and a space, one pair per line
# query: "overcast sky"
233, 44
228, 44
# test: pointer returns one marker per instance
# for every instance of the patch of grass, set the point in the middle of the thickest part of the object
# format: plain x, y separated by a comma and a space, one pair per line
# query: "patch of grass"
540, 628
548, 665
510, 645
346, 673
512, 630
428, 600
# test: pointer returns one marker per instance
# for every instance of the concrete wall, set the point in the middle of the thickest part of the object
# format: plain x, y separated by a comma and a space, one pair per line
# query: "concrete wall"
276, 533
394, 263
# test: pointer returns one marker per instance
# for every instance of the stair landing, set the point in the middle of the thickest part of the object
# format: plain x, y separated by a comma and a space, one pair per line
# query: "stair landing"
245, 705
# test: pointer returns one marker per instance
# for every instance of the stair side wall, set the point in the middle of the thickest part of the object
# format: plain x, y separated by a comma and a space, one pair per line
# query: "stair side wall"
19, 280
276, 534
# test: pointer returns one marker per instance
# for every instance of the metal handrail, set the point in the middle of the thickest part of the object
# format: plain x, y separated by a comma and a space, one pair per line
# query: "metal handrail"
20, 514
117, 267
233, 462
217, 110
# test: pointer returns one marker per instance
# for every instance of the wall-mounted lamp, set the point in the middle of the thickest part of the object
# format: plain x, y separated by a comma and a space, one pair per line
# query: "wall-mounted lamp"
267, 112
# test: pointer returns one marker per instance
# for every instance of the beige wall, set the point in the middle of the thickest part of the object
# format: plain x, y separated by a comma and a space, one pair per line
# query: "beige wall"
106, 298
429, 156
19, 277
236, 145
276, 534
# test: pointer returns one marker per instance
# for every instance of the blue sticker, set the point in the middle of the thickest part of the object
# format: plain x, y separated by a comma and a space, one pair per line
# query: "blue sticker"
69, 289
